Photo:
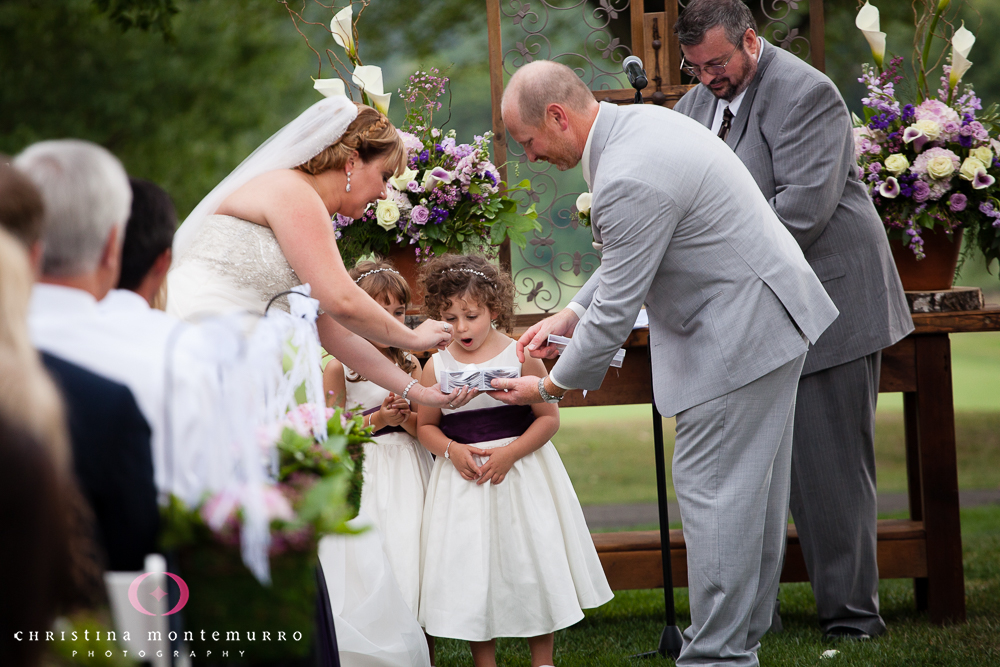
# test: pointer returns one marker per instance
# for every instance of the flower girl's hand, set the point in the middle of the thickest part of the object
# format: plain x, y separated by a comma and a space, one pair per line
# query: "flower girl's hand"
461, 457
390, 412
497, 465
401, 404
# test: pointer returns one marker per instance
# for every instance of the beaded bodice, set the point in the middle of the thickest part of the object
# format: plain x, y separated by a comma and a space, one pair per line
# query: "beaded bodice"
245, 253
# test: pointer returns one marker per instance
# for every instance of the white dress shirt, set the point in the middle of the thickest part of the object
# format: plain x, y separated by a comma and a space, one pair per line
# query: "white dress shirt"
734, 104
123, 339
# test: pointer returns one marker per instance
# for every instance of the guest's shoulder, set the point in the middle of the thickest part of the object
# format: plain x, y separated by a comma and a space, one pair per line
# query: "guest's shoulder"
795, 78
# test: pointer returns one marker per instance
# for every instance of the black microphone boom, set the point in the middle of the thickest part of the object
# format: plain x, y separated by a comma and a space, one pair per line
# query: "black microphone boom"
633, 70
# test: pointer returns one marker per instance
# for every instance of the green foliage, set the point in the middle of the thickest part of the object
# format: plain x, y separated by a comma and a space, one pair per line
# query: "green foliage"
142, 14
182, 113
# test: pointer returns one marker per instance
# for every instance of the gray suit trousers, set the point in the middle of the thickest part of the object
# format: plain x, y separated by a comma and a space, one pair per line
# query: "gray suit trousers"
731, 470
833, 498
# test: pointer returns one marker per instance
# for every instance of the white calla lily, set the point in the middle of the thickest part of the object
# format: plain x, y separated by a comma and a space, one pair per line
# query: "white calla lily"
342, 29
369, 79
330, 87
867, 22
380, 102
961, 44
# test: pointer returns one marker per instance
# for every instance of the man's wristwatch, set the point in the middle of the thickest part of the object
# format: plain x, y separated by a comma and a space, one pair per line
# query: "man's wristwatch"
546, 396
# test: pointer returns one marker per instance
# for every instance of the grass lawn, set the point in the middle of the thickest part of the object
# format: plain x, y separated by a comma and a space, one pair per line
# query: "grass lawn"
609, 455
632, 622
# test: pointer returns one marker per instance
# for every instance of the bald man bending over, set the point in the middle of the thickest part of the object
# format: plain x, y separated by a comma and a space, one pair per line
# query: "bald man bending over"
732, 306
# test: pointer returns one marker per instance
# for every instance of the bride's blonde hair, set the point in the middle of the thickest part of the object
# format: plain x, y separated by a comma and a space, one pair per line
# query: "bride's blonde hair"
371, 135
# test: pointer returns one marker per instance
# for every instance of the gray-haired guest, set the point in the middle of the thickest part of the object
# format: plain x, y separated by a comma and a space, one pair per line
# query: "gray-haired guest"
789, 125
732, 305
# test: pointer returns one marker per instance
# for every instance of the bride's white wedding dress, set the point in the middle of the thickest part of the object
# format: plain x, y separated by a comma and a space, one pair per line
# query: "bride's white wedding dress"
224, 264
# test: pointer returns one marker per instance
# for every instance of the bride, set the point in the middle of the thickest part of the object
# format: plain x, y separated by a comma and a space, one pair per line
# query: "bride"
267, 228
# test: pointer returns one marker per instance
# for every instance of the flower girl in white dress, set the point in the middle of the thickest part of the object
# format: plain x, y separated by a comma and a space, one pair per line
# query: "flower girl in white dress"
374, 596
505, 549
396, 467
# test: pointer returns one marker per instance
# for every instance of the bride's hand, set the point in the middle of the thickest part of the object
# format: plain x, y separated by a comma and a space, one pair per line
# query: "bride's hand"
432, 397
432, 334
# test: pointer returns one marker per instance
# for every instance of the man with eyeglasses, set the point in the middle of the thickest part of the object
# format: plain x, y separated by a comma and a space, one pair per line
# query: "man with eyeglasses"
789, 125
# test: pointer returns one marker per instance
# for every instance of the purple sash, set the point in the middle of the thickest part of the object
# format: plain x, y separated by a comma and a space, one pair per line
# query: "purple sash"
387, 429
469, 426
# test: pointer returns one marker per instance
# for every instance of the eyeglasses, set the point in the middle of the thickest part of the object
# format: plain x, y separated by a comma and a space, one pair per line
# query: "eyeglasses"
714, 70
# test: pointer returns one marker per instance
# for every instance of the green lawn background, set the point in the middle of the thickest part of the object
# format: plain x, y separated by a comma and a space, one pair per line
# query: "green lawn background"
609, 455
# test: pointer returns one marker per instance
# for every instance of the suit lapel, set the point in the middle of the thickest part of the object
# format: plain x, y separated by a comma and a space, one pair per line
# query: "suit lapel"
703, 109
602, 130
740, 121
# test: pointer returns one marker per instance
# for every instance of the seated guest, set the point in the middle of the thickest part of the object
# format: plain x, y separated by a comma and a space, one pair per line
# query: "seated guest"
46, 547
86, 199
146, 254
21, 210
124, 341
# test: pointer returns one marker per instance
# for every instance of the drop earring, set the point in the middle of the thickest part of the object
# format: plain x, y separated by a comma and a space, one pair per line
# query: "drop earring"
348, 181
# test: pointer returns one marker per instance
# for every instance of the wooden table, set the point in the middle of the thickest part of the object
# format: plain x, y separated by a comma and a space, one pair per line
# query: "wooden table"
926, 548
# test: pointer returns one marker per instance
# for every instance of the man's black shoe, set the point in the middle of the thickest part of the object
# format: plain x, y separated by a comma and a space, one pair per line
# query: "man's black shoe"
845, 633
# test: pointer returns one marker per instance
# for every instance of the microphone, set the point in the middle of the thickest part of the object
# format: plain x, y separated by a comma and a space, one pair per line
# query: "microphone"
633, 70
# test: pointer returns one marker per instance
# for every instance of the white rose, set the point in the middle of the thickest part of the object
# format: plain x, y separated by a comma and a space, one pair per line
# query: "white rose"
983, 154
930, 128
897, 163
400, 182
969, 168
387, 213
940, 167
583, 202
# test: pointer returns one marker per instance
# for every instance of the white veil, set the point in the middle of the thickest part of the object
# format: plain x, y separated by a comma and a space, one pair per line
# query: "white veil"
317, 127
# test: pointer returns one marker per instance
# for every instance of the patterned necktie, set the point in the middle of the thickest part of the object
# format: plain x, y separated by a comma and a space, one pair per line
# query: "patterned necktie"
727, 122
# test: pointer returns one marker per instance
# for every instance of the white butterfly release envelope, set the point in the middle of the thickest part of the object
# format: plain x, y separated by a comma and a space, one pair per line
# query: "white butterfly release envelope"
475, 378
560, 343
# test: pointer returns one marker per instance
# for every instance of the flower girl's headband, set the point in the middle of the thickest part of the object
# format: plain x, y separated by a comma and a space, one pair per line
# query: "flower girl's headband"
478, 273
368, 273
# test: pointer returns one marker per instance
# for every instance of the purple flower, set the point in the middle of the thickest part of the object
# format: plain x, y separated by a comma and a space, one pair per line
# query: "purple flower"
889, 189
957, 202
982, 180
413, 186
921, 191
908, 113
918, 138
420, 215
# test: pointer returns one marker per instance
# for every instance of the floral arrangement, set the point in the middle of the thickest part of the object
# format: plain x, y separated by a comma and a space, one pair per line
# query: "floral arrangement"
305, 499
450, 197
930, 163
307, 496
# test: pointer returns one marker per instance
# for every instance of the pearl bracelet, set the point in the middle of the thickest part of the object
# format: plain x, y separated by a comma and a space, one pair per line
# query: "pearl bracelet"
446, 455
407, 390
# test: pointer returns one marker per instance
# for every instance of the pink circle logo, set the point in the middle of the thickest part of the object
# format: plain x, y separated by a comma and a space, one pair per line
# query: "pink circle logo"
159, 594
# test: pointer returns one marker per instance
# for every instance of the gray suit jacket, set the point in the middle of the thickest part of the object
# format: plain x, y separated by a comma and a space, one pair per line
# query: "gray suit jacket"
793, 132
686, 230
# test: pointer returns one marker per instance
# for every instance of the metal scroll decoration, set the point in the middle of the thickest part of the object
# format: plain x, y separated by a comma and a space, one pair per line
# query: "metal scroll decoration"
593, 38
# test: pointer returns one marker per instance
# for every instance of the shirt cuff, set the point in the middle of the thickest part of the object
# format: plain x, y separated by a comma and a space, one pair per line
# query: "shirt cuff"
577, 309
558, 383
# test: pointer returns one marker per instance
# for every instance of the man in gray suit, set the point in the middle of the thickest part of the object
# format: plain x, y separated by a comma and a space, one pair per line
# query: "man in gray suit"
789, 125
732, 305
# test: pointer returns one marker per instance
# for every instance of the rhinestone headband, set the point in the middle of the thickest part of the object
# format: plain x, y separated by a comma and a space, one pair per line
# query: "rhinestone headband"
478, 273
368, 273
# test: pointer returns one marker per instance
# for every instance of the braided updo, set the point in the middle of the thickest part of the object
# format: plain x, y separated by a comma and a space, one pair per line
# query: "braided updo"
371, 135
